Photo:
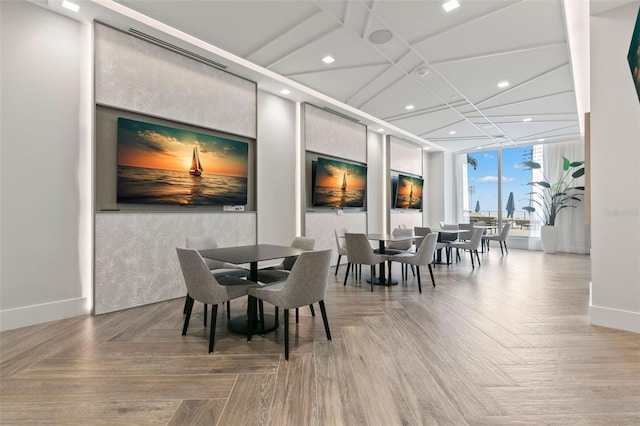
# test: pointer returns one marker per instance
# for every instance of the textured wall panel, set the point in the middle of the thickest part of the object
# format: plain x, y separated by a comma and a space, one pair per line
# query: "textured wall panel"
405, 157
327, 133
135, 257
135, 75
408, 219
321, 226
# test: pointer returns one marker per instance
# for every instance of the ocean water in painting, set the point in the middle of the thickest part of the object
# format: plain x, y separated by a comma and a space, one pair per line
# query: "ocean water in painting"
336, 197
144, 185
404, 201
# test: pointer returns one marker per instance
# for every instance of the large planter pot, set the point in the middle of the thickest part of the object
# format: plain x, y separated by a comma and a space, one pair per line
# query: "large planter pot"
549, 238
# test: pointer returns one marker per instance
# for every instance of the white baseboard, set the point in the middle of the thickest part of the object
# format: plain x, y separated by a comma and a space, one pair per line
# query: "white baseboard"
614, 318
45, 312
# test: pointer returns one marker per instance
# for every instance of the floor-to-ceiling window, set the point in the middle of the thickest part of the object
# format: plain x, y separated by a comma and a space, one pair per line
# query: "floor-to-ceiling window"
495, 200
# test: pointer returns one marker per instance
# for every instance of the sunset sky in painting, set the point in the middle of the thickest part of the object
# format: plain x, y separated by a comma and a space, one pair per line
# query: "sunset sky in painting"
404, 186
329, 173
160, 147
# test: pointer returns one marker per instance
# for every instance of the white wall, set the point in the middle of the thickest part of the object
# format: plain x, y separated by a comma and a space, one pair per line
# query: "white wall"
276, 170
45, 231
615, 154
439, 192
377, 183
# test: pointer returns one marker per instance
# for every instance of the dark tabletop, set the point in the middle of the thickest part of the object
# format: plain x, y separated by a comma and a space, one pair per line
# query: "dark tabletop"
251, 253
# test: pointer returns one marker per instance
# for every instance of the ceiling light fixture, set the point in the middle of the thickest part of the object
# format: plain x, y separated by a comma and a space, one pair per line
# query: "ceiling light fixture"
450, 5
328, 59
541, 140
380, 36
503, 84
409, 107
527, 119
381, 130
71, 6
285, 91
453, 132
422, 72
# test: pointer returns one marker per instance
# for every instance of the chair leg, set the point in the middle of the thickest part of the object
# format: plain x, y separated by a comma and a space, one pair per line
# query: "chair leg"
478, 257
286, 334
251, 312
186, 302
473, 266
505, 247
277, 314
338, 264
313, 311
324, 319
346, 275
188, 306
228, 309
373, 276
413, 271
433, 281
419, 283
261, 308
212, 332
297, 316
205, 314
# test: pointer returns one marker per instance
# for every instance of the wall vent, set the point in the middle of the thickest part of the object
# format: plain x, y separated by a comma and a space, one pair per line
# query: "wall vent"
176, 49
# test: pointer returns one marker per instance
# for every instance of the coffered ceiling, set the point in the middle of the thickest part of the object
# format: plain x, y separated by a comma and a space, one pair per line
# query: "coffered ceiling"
389, 54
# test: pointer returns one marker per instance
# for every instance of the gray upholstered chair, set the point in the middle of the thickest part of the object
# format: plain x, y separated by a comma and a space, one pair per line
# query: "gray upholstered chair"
361, 253
218, 269
468, 231
471, 245
423, 256
204, 287
501, 238
395, 247
340, 245
281, 272
305, 285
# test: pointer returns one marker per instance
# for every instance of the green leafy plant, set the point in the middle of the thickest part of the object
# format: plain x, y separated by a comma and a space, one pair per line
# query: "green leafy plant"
552, 198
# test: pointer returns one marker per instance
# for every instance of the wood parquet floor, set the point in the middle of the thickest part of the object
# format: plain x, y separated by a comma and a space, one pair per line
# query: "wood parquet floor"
507, 343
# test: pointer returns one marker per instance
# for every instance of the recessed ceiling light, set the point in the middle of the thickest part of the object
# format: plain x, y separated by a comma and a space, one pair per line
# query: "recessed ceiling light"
285, 91
71, 6
380, 130
422, 72
478, 147
427, 147
380, 36
541, 140
450, 5
409, 107
453, 132
503, 84
328, 59
527, 119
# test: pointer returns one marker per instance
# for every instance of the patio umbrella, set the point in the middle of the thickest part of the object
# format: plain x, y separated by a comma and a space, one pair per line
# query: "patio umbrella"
477, 209
511, 206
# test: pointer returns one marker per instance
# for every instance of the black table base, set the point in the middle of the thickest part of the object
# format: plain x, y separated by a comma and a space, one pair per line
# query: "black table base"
240, 324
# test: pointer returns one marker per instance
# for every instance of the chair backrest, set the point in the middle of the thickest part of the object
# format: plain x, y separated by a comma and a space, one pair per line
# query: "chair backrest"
427, 249
360, 251
201, 284
475, 239
468, 227
449, 236
307, 282
303, 243
205, 242
505, 232
339, 234
420, 231
401, 245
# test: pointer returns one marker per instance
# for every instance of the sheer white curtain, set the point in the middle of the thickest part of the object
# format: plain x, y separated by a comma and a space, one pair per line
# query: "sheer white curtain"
574, 236
461, 186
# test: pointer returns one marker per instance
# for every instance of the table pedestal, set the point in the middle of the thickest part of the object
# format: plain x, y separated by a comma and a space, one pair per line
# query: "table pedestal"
240, 324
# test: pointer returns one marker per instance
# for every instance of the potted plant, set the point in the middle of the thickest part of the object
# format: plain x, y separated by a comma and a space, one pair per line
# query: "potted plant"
551, 198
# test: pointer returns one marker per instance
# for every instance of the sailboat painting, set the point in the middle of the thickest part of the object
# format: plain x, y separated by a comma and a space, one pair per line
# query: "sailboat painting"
339, 184
167, 165
409, 192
